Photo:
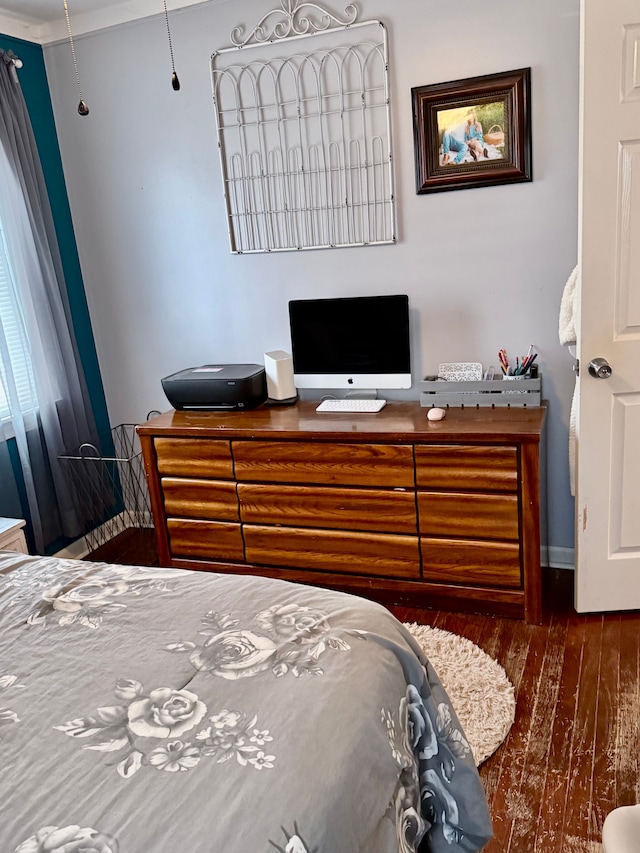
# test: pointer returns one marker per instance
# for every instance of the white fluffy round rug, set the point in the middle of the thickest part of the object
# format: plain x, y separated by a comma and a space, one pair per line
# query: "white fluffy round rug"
481, 694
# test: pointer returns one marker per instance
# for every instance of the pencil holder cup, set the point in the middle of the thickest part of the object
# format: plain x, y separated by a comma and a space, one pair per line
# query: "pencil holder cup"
514, 390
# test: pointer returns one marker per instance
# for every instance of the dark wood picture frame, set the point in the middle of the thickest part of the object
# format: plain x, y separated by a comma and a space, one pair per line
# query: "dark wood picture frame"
506, 95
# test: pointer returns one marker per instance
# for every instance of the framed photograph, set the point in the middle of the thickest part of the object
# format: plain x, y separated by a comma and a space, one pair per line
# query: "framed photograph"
473, 133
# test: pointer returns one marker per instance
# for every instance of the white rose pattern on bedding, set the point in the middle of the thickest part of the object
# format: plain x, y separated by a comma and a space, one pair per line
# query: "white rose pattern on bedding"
134, 727
299, 636
7, 716
294, 843
65, 598
68, 839
87, 603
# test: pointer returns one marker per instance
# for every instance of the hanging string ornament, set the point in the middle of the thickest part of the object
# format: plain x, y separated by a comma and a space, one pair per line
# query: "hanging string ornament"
83, 109
175, 83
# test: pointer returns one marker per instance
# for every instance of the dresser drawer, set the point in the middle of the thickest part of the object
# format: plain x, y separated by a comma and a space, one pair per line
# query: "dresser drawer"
194, 457
477, 468
215, 499
207, 540
468, 515
309, 506
333, 551
324, 463
493, 564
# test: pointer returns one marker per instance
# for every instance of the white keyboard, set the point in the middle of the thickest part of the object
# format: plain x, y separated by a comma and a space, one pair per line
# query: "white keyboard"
353, 406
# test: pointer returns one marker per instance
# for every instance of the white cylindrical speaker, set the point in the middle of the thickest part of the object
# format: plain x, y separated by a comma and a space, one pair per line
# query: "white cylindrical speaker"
278, 366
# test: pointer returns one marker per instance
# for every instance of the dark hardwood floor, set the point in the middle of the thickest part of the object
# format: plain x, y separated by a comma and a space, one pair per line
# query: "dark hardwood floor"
135, 546
573, 752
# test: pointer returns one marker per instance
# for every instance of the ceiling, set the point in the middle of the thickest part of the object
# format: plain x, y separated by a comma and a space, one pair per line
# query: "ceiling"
43, 21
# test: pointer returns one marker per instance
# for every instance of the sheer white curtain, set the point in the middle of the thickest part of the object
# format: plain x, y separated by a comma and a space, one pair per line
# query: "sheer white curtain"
17, 383
42, 380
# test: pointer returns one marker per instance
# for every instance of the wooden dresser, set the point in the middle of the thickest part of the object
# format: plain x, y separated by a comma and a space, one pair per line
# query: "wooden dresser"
389, 505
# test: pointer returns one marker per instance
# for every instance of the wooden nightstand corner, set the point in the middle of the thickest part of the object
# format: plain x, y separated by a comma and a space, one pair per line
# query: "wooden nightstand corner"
12, 535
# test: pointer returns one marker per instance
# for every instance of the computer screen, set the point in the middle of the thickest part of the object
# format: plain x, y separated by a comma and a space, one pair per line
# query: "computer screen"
357, 342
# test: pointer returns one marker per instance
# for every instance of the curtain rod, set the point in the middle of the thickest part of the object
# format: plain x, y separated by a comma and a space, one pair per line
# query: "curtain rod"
11, 59
13, 62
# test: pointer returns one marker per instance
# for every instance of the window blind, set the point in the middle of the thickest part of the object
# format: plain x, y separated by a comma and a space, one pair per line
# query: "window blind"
15, 349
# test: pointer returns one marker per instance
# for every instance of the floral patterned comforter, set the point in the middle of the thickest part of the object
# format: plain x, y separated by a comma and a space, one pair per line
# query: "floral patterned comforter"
163, 711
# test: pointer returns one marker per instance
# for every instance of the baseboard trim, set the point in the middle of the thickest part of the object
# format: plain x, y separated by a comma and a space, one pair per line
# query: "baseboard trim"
75, 551
555, 557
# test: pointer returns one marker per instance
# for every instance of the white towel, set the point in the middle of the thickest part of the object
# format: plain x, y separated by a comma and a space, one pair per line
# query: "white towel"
569, 310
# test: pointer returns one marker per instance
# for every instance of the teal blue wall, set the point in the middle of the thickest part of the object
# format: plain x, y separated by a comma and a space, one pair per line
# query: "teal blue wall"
33, 79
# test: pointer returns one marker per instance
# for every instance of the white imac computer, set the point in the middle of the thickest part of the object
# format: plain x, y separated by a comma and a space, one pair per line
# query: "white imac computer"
355, 343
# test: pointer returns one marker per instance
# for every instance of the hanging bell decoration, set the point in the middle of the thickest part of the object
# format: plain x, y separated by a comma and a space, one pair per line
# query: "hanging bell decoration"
175, 82
83, 109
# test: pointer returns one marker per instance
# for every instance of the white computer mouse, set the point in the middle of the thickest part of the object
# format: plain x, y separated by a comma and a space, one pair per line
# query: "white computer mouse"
436, 414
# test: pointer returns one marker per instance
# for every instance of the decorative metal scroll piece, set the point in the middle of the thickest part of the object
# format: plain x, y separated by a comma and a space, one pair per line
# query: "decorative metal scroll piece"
292, 22
305, 136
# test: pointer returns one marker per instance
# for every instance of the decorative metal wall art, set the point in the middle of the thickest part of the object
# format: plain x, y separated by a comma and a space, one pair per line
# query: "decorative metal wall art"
304, 131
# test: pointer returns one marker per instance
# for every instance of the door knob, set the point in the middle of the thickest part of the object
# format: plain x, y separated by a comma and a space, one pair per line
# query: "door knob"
600, 368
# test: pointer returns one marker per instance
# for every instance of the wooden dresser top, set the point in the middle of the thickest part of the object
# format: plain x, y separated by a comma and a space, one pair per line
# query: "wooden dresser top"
398, 421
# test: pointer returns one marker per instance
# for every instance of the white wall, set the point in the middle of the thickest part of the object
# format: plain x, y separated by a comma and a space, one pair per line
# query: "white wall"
483, 268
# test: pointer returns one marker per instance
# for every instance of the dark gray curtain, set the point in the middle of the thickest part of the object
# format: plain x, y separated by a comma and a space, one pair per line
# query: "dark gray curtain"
65, 418
10, 504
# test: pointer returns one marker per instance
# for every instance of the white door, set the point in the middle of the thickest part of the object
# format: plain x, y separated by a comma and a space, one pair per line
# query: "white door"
608, 420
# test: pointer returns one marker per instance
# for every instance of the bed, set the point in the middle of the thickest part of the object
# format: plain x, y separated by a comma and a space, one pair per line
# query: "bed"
148, 710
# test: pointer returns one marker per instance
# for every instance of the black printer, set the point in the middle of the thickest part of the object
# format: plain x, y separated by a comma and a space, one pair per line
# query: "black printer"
217, 386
